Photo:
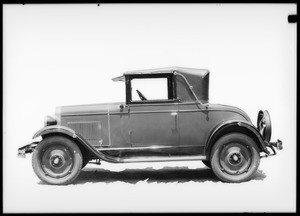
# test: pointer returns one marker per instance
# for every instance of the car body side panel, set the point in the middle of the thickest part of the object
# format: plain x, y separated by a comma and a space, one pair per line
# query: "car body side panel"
140, 125
196, 123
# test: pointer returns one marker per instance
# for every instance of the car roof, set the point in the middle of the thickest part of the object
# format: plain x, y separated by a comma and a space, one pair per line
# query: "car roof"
183, 70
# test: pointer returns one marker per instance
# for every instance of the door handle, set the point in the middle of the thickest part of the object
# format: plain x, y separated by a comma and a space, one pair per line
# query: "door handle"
175, 114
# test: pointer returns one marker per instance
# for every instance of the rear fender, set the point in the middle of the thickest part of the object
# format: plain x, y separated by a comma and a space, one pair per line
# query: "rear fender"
235, 126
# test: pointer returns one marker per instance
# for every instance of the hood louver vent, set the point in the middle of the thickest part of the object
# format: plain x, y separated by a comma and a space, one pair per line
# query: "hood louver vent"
88, 130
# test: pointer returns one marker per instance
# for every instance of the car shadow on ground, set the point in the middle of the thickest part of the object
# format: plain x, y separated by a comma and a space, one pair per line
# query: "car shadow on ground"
150, 175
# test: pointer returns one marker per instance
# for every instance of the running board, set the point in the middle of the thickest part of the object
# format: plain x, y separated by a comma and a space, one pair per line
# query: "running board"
162, 158
113, 159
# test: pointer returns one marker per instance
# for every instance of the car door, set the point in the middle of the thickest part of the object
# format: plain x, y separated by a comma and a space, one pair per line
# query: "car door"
152, 111
153, 124
192, 120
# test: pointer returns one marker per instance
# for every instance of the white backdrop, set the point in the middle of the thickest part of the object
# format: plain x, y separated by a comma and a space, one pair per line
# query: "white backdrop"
67, 54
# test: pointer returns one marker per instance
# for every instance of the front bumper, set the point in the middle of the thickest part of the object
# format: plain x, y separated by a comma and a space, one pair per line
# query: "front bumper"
29, 148
272, 146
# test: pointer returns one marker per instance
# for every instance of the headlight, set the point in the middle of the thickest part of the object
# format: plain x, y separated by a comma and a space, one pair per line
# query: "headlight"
48, 120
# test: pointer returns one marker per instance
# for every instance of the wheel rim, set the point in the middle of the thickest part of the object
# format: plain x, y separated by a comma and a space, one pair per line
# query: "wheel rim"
264, 124
235, 158
57, 161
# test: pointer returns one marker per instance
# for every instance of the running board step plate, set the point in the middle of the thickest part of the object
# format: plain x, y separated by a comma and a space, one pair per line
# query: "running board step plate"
162, 159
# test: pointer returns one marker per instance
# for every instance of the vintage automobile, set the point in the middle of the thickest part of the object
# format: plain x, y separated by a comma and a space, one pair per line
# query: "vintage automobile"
178, 124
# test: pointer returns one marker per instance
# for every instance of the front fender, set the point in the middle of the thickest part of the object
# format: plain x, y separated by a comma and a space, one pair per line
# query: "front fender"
58, 129
55, 129
236, 126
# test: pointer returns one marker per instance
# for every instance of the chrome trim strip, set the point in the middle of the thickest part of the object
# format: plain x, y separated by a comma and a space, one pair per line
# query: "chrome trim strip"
118, 113
141, 147
140, 112
152, 111
171, 103
210, 110
183, 111
136, 112
82, 114
163, 159
195, 110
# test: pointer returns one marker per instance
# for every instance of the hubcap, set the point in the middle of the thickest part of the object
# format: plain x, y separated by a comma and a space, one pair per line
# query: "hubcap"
235, 158
57, 161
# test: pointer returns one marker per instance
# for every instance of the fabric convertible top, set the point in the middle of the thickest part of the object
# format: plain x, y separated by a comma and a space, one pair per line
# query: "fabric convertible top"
198, 79
184, 71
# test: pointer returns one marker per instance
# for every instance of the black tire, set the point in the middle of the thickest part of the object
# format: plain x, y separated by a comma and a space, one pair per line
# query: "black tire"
264, 125
207, 163
57, 160
235, 158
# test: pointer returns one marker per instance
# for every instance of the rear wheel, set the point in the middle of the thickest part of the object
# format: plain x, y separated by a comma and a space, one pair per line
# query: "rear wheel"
235, 158
57, 160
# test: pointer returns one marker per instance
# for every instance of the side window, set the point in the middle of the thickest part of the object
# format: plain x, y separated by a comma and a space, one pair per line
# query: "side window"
183, 93
149, 89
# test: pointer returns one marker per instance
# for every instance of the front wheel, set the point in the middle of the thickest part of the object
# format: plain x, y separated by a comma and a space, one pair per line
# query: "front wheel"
235, 158
57, 160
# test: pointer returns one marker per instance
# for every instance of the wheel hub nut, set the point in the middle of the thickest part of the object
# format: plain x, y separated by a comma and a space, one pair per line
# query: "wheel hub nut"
235, 158
56, 160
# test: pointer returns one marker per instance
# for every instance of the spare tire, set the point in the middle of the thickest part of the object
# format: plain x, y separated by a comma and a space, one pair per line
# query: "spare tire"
264, 125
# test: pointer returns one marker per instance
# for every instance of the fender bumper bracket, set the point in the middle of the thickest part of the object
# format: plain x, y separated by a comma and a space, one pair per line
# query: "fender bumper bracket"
26, 149
272, 145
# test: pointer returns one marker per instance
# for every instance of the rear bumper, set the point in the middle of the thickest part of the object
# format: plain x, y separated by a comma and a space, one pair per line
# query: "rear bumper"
29, 148
272, 146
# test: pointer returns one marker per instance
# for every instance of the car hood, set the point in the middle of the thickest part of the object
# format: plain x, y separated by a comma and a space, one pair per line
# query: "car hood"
102, 108
229, 108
